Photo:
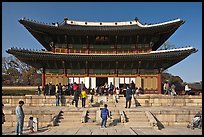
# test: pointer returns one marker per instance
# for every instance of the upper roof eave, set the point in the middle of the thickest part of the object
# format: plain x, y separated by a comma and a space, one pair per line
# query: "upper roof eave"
109, 25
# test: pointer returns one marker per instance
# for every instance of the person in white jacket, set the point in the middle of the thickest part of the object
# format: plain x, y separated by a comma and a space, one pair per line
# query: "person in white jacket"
20, 118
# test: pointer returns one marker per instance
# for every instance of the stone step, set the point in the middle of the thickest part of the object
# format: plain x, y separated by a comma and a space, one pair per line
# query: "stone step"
138, 124
134, 112
71, 121
136, 117
138, 120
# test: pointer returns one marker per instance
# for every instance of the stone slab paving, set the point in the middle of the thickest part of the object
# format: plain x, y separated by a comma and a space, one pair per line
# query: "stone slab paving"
109, 131
117, 130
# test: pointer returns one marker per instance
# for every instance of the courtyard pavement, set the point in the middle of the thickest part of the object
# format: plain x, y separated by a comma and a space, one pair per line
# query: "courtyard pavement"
117, 130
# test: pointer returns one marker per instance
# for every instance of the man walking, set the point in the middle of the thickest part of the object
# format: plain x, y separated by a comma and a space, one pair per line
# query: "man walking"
104, 115
19, 118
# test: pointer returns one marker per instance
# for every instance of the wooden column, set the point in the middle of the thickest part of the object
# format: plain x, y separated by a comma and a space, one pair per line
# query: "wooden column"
87, 44
86, 69
65, 72
43, 78
159, 83
116, 68
116, 47
66, 39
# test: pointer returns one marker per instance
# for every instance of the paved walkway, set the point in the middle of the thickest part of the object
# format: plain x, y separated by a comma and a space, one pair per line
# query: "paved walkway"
117, 130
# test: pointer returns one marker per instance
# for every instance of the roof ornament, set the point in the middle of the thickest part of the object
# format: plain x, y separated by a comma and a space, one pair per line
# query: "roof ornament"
136, 19
65, 18
57, 24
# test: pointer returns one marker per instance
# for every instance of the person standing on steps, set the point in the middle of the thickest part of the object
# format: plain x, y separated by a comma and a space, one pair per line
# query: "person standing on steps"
20, 118
128, 96
104, 115
83, 97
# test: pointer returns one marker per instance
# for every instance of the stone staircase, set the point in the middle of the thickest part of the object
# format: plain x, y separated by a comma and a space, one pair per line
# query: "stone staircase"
91, 116
115, 118
71, 119
137, 119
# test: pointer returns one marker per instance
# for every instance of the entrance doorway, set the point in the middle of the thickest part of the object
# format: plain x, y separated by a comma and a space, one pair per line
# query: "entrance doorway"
100, 81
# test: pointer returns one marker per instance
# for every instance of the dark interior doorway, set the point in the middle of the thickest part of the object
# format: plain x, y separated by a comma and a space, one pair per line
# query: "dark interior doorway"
100, 81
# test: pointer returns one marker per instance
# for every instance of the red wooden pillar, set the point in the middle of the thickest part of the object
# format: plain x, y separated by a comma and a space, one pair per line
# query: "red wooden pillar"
65, 73
159, 83
43, 78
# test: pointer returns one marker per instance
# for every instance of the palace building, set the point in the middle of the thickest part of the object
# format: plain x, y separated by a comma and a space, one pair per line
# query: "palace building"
99, 52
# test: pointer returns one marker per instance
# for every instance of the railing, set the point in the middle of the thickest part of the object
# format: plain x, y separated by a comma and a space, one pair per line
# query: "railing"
152, 120
83, 118
122, 117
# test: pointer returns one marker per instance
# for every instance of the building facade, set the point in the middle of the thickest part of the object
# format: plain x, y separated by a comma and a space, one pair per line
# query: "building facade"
99, 52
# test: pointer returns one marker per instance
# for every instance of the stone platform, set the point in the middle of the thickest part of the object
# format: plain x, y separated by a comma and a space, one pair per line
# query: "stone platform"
94, 128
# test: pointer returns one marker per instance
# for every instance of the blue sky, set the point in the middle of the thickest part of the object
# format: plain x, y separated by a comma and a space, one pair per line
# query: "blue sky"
190, 33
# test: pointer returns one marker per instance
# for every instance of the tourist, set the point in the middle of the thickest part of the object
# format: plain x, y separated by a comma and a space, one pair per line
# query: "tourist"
3, 115
46, 89
104, 115
106, 86
128, 96
67, 92
57, 95
187, 89
49, 88
75, 86
63, 90
173, 90
60, 89
71, 89
111, 88
100, 90
39, 90
137, 91
19, 118
133, 87
56, 89
82, 86
166, 88
30, 125
83, 98
76, 95
117, 93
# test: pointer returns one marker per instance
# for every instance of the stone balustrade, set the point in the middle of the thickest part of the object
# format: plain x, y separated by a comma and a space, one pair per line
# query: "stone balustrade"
162, 100
44, 117
175, 118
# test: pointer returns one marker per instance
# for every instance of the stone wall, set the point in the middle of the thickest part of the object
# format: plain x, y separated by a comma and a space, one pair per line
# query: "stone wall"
44, 117
175, 118
143, 100
161, 100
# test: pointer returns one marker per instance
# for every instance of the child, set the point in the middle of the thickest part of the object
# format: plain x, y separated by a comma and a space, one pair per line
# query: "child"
83, 98
104, 115
30, 125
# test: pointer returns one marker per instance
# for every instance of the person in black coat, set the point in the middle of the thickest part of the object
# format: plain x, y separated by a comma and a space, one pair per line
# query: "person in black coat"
128, 96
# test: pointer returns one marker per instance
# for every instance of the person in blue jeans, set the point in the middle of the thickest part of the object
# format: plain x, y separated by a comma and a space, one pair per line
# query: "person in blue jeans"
57, 98
20, 118
104, 115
